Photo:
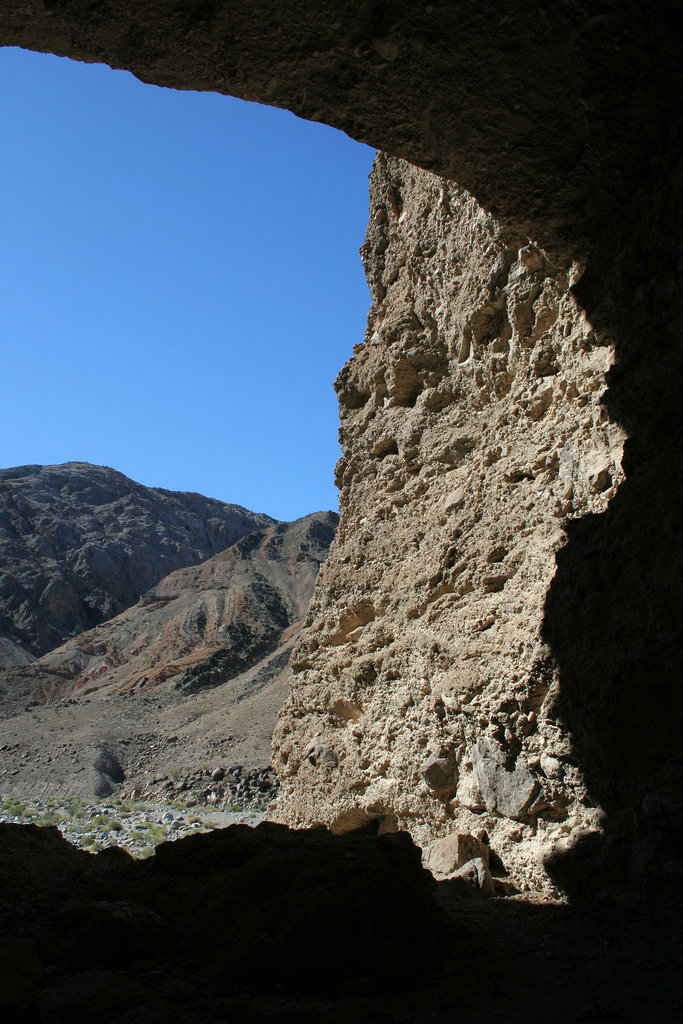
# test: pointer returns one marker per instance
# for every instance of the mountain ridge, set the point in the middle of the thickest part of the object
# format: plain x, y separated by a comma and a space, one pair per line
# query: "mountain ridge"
79, 543
192, 675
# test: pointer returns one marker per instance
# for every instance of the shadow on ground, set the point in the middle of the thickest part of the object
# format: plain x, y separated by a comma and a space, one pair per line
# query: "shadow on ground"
267, 924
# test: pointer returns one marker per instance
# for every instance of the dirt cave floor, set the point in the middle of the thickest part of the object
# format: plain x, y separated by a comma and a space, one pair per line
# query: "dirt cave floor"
265, 924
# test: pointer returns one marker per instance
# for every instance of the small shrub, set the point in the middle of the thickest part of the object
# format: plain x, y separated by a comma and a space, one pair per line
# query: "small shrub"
156, 834
46, 819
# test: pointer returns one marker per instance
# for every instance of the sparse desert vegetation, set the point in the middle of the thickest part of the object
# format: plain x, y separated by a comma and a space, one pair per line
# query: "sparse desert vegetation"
137, 827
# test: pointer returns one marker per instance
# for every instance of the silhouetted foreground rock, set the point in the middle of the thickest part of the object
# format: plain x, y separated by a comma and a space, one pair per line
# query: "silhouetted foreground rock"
261, 907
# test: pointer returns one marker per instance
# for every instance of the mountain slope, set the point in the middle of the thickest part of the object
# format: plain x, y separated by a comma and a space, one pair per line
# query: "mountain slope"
80, 543
194, 674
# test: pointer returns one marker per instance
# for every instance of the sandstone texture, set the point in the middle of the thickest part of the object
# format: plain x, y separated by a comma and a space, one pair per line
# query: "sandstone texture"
79, 543
166, 697
472, 431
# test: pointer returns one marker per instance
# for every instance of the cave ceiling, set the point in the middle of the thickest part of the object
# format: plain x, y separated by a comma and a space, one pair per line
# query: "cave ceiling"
551, 114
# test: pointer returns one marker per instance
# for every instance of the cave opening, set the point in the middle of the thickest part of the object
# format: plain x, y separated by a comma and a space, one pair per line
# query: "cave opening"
182, 283
585, 156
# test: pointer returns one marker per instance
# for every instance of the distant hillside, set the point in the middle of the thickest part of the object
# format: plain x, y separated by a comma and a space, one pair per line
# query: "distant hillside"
81, 543
201, 625
193, 675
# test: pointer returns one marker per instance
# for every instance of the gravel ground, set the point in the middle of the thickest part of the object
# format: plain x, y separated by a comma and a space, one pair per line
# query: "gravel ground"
135, 826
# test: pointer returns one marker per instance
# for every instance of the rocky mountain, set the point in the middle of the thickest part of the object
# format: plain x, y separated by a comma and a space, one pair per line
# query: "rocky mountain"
80, 543
194, 673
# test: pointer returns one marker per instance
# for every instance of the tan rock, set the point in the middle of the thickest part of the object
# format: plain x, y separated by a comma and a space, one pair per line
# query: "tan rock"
476, 875
445, 856
462, 445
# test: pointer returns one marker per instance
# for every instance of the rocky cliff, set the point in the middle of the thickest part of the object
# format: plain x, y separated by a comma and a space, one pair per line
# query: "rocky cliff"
79, 543
473, 431
497, 637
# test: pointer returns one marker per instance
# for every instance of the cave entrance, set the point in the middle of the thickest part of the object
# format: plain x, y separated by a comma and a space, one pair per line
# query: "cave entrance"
182, 285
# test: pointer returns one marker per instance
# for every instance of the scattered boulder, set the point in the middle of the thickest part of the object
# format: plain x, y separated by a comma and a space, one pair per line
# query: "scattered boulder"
446, 856
227, 788
508, 790
476, 875
440, 774
108, 764
108, 773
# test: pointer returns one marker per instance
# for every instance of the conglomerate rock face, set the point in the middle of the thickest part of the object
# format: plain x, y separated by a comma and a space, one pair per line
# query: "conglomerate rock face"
472, 429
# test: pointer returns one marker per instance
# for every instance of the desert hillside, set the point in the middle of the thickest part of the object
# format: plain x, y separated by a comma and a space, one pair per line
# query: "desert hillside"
188, 679
79, 543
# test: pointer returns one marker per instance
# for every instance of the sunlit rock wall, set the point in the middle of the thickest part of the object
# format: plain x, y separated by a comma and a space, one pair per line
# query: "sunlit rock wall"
472, 431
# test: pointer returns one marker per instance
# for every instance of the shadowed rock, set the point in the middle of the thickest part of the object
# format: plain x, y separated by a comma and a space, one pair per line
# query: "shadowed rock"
240, 906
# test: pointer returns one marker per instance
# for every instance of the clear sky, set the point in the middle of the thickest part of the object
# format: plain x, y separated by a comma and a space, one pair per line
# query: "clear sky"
179, 284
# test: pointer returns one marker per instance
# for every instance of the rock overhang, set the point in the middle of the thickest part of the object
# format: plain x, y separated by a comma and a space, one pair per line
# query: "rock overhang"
550, 114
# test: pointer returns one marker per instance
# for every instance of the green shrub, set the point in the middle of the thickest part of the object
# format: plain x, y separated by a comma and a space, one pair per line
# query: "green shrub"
155, 834
46, 819
16, 808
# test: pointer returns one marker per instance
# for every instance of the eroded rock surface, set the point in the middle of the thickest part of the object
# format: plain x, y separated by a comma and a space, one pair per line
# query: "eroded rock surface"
472, 430
502, 613
79, 543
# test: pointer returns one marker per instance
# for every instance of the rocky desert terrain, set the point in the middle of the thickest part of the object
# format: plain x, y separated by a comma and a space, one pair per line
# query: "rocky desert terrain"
79, 543
488, 679
165, 698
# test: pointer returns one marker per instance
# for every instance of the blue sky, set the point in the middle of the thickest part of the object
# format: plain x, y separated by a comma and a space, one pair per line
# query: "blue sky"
180, 284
